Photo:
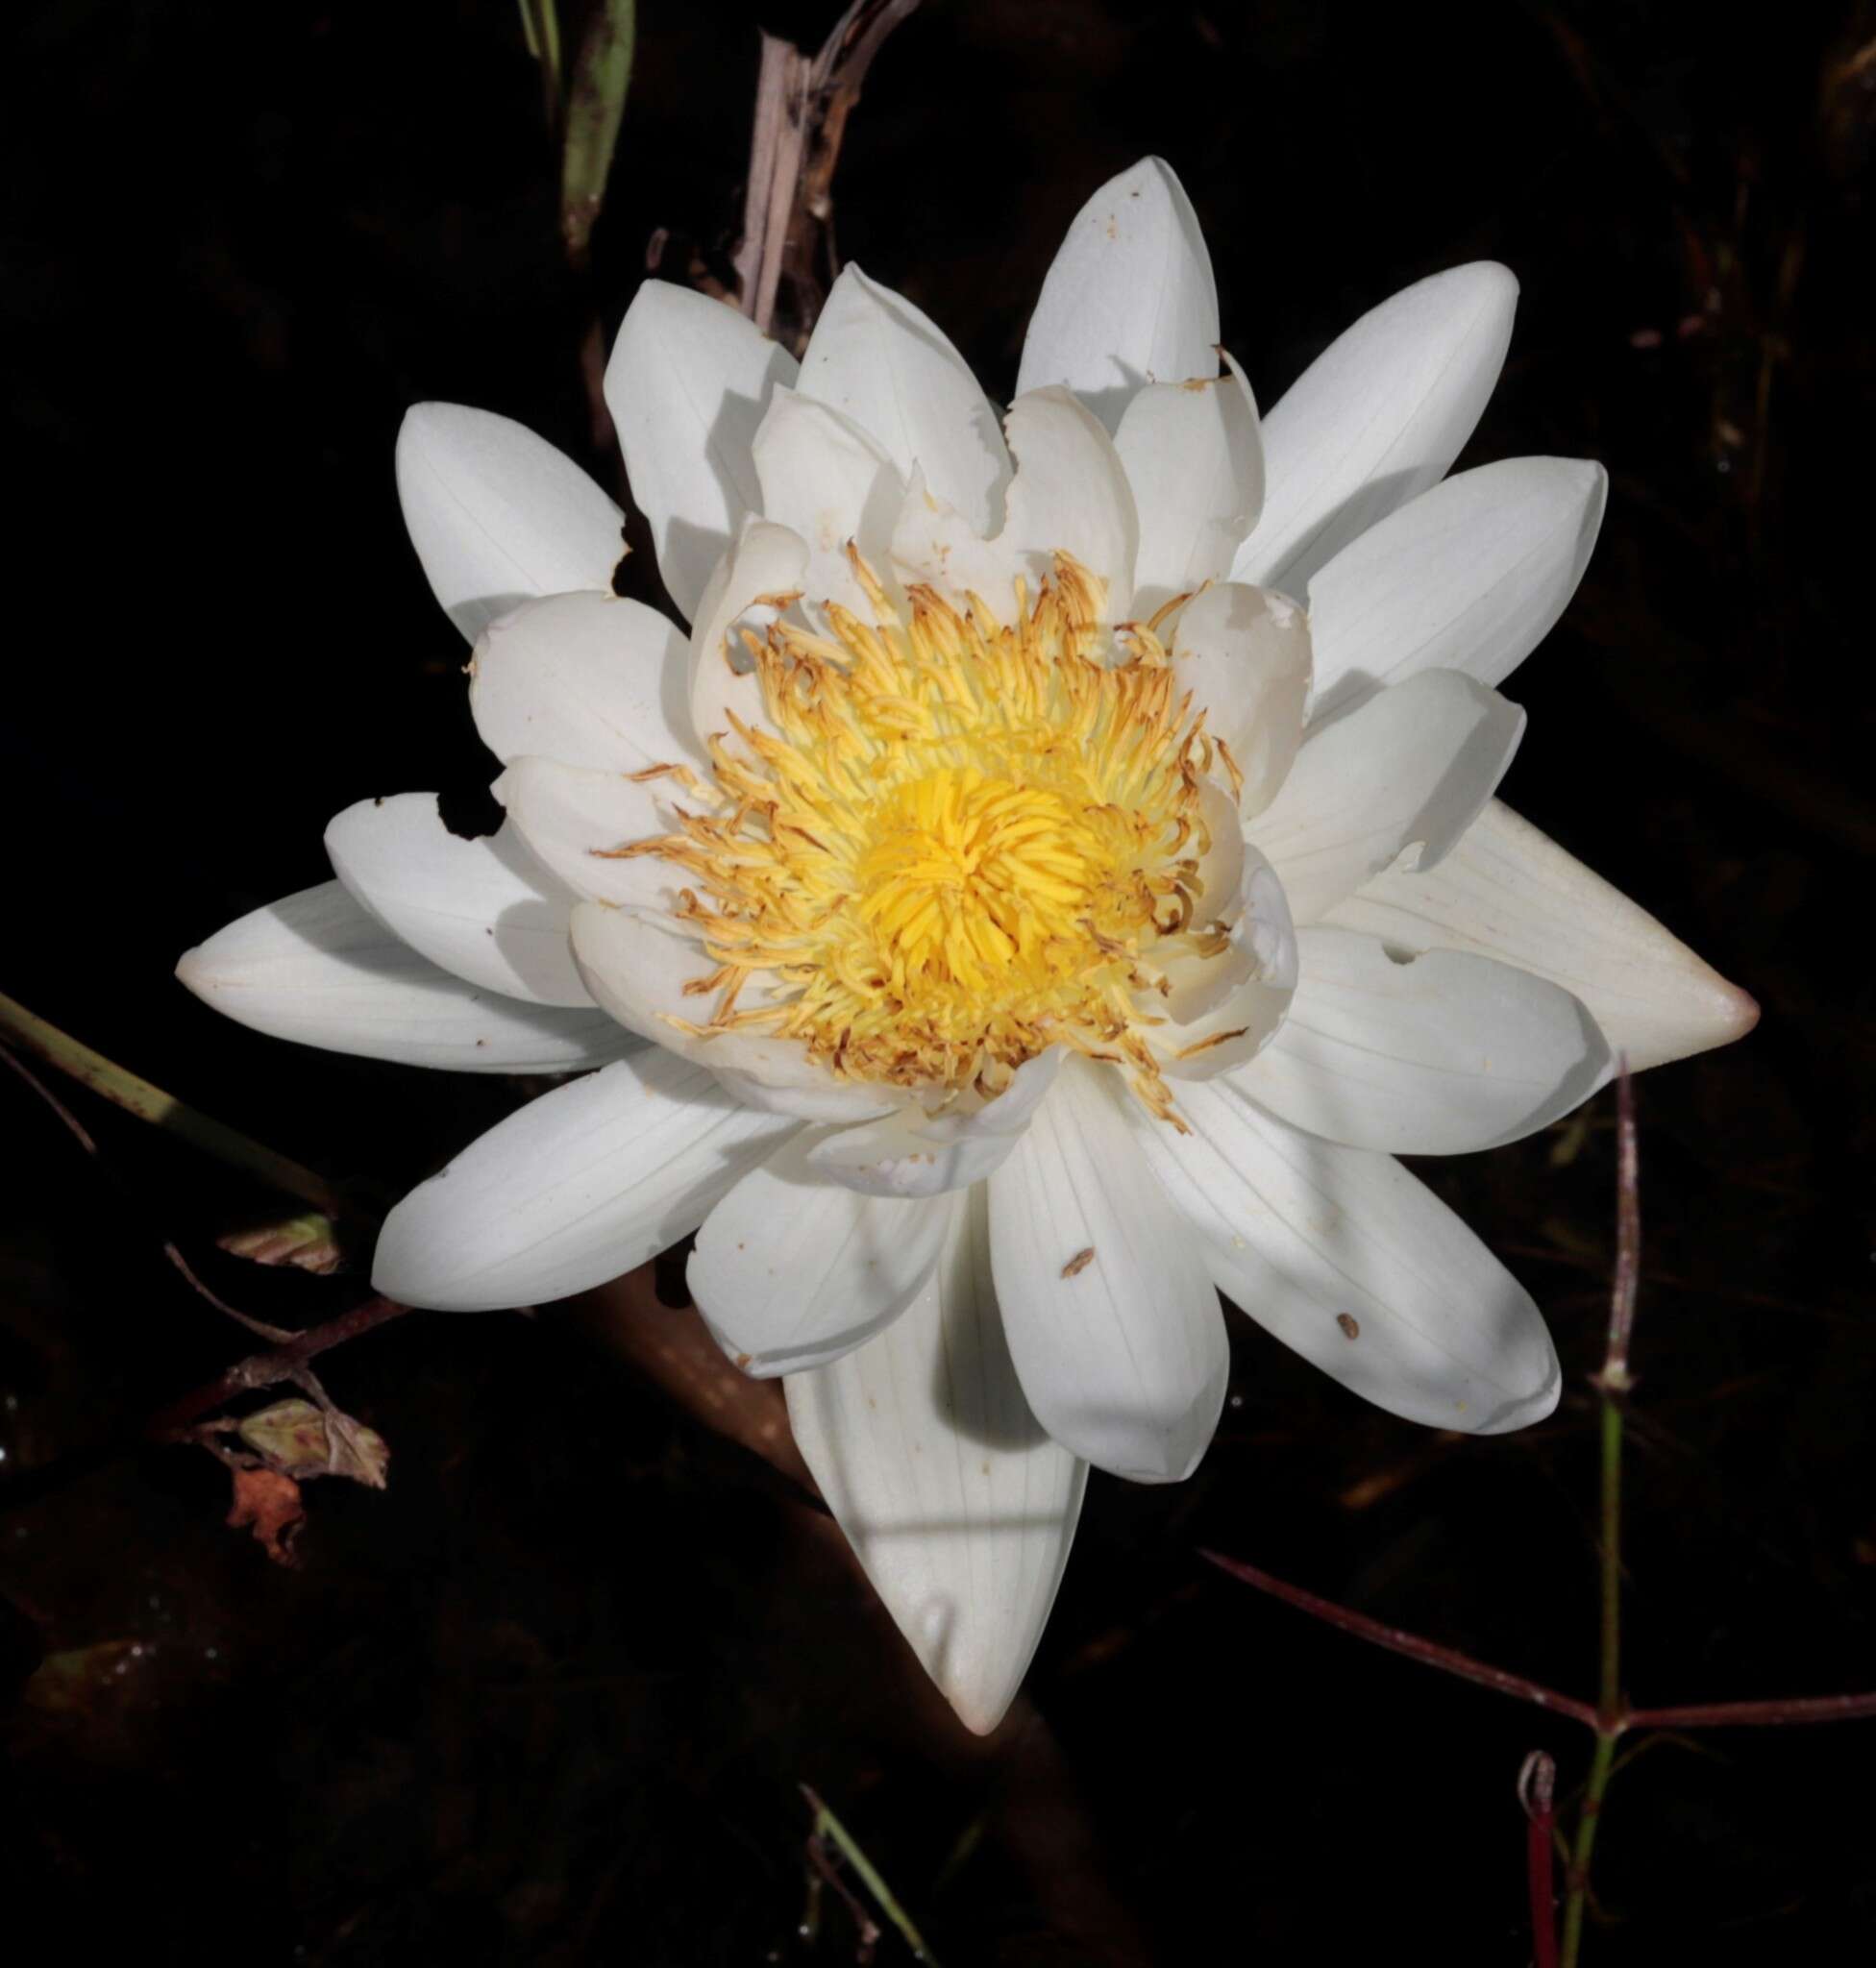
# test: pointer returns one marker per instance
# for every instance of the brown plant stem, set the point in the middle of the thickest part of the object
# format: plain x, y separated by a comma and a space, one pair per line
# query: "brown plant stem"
286, 1363
786, 258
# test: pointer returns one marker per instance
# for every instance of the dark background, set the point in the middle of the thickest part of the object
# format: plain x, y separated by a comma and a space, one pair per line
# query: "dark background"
548, 1698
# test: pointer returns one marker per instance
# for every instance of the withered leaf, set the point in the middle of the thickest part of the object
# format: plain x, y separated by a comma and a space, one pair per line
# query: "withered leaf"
307, 1242
294, 1437
270, 1503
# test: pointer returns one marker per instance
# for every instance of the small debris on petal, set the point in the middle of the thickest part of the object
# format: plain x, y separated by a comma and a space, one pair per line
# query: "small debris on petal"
1079, 1263
1348, 1322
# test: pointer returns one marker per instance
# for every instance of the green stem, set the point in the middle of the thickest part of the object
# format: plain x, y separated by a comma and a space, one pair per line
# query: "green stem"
828, 1826
596, 102
540, 28
149, 1102
1612, 1385
1576, 1896
1610, 1716
1609, 1701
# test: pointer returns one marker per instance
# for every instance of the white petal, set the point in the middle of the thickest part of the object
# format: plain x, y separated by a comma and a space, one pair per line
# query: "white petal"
319, 970
933, 542
687, 385
754, 584
792, 1271
1195, 459
1196, 985
1244, 656
1377, 418
915, 1153
1437, 1055
497, 515
580, 1186
878, 361
572, 819
957, 1503
1070, 495
1260, 970
637, 966
1507, 891
824, 479
1345, 1258
1113, 1324
1129, 298
1410, 765
485, 909
1470, 575
589, 679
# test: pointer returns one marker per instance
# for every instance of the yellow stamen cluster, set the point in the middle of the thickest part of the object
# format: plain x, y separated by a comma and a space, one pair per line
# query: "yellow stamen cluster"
960, 845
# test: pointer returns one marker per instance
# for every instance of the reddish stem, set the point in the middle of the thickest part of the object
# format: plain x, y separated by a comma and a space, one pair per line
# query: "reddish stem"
1735, 1714
282, 1362
1399, 1641
1537, 1790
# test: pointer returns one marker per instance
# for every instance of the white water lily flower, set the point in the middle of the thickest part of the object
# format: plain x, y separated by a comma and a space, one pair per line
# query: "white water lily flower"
1057, 875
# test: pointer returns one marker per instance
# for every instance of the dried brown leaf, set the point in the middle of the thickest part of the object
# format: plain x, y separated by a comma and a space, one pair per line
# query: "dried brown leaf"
270, 1503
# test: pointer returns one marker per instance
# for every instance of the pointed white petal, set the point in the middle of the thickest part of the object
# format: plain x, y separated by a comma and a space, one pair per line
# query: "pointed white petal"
1113, 1324
485, 909
1129, 298
957, 1503
1470, 575
1244, 656
879, 362
1195, 459
574, 823
637, 966
1410, 765
497, 515
687, 385
319, 970
1508, 892
1345, 1258
580, 1186
1376, 419
792, 1271
589, 679
1070, 495
824, 479
915, 1153
756, 583
1437, 1055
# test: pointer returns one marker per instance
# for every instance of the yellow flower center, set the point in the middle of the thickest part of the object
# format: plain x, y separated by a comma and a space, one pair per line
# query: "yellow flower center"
970, 878
960, 844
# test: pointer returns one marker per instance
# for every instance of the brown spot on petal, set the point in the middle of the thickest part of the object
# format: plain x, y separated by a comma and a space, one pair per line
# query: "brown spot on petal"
1350, 1328
1079, 1263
